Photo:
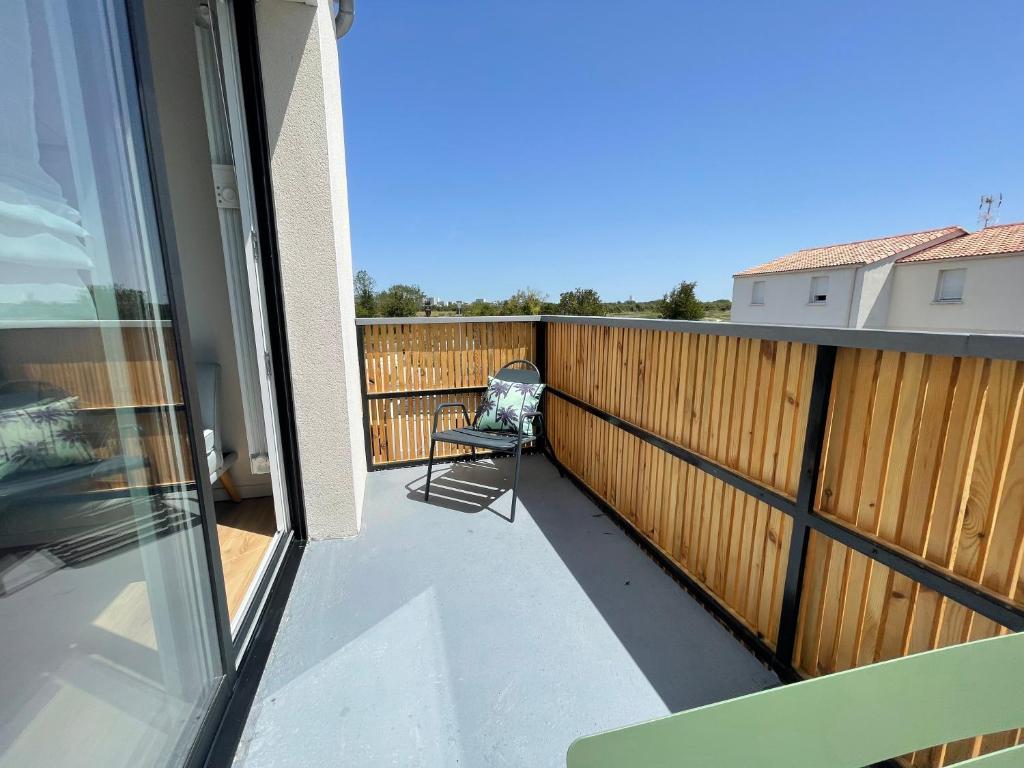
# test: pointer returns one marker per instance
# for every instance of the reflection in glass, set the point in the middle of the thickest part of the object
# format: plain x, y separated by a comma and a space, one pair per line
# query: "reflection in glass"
108, 651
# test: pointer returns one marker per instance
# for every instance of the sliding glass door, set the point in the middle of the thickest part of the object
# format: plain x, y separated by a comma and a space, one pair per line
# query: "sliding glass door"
112, 632
254, 522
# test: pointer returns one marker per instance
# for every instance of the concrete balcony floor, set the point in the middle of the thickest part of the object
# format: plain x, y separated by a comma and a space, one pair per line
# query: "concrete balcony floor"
443, 635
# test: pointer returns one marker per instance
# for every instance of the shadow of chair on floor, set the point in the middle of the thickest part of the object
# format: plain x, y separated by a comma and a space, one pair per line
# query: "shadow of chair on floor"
467, 486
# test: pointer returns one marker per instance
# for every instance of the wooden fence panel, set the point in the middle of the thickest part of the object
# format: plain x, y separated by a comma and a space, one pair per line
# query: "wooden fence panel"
739, 402
922, 452
137, 385
407, 357
400, 427
77, 361
856, 611
418, 357
733, 545
927, 453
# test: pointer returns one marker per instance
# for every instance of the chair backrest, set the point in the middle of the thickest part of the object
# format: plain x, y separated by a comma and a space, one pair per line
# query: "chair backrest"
844, 720
528, 374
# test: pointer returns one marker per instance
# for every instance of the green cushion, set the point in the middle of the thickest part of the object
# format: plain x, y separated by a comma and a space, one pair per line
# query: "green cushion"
42, 436
504, 401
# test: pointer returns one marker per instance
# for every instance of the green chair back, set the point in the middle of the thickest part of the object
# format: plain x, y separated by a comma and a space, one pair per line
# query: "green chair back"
845, 720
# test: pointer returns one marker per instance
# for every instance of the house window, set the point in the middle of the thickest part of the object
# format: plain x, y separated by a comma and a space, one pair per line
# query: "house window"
819, 289
757, 292
951, 285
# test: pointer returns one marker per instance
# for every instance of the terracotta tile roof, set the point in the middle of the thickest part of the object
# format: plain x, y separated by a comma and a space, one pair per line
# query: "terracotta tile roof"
1004, 238
851, 254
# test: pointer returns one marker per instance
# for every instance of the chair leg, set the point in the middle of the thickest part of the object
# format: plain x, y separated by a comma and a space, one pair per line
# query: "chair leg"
515, 484
430, 468
229, 486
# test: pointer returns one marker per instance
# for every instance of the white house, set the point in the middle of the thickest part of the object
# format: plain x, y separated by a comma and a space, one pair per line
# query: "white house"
845, 285
939, 279
971, 283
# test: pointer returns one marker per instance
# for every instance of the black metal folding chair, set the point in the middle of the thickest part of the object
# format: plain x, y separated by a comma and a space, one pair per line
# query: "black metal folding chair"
498, 441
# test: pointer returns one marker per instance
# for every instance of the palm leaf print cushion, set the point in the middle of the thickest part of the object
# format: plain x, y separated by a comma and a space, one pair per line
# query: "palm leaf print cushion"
42, 436
504, 401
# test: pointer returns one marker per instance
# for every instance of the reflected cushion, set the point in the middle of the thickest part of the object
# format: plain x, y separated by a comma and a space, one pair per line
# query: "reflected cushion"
44, 435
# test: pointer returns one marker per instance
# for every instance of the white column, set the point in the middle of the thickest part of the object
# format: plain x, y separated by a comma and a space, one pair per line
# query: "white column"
302, 90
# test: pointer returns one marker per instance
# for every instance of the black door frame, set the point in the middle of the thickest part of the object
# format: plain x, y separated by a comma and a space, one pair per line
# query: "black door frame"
270, 256
222, 724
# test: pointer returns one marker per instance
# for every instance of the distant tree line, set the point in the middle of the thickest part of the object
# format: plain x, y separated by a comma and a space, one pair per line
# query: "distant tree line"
399, 300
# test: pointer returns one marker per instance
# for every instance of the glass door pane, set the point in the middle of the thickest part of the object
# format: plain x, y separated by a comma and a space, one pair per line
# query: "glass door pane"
109, 651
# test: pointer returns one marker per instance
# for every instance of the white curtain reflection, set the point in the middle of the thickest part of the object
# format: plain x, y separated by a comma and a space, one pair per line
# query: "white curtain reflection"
44, 266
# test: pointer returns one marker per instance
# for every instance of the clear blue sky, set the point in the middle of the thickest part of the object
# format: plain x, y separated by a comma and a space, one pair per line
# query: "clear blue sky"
628, 146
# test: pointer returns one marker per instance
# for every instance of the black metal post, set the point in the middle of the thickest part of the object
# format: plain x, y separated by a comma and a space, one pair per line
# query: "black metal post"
810, 464
541, 361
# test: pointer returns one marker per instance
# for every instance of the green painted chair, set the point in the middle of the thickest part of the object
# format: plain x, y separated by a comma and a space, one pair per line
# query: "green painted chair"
845, 720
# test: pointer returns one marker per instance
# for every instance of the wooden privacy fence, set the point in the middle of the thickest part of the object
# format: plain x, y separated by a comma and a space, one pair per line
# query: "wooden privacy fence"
838, 497
409, 368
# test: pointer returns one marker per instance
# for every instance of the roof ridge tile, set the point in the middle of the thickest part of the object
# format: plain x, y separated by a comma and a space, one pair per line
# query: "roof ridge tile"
984, 242
853, 253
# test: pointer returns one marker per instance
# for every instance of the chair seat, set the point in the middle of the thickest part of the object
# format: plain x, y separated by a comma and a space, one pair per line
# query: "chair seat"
480, 438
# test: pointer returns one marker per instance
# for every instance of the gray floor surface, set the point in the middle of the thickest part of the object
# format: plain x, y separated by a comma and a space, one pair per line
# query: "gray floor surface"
444, 635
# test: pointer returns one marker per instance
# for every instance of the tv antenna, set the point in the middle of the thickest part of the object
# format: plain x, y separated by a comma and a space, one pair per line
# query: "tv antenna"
986, 215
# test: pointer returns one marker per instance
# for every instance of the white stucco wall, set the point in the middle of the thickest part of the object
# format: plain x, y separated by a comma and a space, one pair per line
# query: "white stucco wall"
787, 299
992, 296
872, 292
302, 91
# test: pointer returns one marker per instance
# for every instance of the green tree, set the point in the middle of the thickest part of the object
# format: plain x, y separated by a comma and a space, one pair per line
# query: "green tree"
479, 308
718, 305
582, 301
719, 309
681, 303
366, 301
525, 301
400, 301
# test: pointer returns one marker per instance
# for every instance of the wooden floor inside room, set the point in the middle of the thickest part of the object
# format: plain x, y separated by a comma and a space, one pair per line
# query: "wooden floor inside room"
245, 531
